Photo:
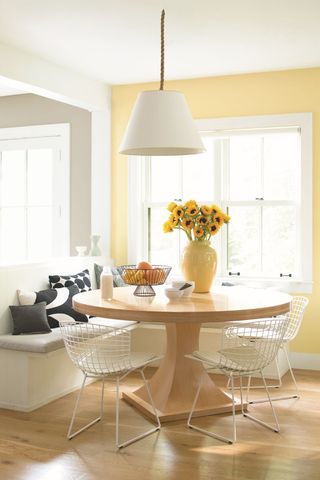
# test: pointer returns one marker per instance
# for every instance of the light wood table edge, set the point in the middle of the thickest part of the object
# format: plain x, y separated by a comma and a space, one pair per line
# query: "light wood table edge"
179, 317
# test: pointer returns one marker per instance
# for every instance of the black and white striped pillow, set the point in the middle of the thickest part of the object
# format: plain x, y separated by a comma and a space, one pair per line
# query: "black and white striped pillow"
58, 304
81, 279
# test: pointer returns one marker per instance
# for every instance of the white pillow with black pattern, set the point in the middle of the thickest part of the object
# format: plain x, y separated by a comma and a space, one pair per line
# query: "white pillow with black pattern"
81, 279
58, 304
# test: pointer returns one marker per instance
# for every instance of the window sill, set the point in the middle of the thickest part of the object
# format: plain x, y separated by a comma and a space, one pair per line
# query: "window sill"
291, 286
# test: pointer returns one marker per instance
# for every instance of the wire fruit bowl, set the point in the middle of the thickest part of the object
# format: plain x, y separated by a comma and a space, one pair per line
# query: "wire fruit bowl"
144, 278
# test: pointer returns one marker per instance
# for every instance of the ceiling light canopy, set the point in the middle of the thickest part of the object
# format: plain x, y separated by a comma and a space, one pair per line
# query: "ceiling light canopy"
160, 122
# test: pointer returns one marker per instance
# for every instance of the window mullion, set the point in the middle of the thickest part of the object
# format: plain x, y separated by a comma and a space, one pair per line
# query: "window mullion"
181, 176
261, 243
223, 154
261, 195
262, 169
1, 187
26, 202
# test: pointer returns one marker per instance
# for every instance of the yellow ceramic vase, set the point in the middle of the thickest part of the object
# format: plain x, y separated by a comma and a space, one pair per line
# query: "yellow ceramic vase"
199, 263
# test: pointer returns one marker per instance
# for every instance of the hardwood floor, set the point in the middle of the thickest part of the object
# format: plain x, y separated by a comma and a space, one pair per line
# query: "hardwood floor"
33, 446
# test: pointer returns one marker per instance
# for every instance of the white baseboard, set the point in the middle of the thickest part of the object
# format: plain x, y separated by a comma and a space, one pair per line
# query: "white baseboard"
305, 361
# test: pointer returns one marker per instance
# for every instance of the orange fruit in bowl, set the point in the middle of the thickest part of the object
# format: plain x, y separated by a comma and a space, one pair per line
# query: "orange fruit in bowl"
150, 275
144, 265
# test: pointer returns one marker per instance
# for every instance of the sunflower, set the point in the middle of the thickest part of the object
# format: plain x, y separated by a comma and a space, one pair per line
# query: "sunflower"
226, 218
173, 220
171, 206
213, 228
203, 220
187, 223
190, 203
219, 219
206, 210
167, 227
192, 210
216, 210
198, 232
178, 211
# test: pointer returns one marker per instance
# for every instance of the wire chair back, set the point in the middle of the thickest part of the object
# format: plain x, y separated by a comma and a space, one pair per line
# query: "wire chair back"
97, 350
246, 350
295, 316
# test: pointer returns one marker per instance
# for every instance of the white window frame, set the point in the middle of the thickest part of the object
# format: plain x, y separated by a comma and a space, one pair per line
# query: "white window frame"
137, 224
59, 136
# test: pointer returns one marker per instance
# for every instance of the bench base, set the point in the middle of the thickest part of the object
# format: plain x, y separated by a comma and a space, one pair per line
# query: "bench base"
31, 380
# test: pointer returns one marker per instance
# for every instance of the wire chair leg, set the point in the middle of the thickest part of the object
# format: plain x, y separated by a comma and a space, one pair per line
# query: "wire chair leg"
279, 376
291, 372
72, 435
285, 397
257, 387
248, 389
146, 382
234, 407
267, 425
194, 403
102, 398
117, 412
142, 435
207, 432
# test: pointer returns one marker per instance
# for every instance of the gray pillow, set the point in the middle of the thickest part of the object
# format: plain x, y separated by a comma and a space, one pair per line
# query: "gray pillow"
29, 319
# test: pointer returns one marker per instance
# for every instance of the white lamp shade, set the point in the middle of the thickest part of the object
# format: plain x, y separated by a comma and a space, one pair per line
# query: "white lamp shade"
161, 124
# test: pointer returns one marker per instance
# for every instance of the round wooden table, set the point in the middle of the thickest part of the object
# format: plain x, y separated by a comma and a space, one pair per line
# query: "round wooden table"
175, 382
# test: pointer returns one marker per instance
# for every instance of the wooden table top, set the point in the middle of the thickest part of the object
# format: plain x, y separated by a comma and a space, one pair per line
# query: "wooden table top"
220, 305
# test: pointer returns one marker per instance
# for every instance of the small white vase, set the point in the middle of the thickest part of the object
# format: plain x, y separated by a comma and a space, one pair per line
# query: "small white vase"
81, 250
95, 249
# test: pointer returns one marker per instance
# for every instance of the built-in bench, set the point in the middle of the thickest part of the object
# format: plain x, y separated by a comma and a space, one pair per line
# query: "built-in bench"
35, 369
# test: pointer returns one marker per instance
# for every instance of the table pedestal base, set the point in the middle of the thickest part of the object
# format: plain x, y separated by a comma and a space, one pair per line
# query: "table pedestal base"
174, 384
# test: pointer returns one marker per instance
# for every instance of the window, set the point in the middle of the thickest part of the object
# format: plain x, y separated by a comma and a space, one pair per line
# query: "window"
34, 193
259, 170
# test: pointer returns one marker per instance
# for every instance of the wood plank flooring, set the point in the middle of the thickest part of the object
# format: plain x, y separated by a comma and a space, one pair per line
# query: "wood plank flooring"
33, 446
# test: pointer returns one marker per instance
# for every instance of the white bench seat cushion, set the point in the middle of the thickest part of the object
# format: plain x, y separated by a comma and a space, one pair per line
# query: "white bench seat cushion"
37, 343
48, 342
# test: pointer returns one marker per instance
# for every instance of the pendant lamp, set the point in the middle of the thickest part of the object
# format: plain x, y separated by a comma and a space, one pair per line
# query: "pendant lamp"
160, 122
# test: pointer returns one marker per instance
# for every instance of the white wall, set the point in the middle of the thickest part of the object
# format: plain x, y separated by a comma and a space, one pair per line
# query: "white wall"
26, 110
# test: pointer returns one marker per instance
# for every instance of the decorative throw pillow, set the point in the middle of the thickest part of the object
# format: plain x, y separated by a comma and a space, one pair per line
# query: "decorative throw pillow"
117, 279
81, 279
58, 303
29, 319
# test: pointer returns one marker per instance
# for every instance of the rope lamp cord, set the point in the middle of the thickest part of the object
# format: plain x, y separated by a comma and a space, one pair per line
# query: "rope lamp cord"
162, 51
161, 123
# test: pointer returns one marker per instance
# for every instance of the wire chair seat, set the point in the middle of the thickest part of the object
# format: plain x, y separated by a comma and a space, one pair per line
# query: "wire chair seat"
241, 356
101, 351
136, 360
238, 359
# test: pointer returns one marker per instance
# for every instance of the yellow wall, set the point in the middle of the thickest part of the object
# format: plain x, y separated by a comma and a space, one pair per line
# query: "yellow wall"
252, 94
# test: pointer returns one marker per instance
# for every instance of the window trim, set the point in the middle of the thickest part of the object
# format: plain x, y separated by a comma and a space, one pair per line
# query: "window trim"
303, 121
61, 133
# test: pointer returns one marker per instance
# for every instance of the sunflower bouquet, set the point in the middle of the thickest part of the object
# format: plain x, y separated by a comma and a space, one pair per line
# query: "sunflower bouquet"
199, 222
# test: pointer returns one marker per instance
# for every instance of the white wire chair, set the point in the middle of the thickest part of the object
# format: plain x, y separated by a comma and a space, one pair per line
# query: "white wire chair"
241, 357
104, 352
295, 317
